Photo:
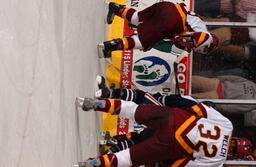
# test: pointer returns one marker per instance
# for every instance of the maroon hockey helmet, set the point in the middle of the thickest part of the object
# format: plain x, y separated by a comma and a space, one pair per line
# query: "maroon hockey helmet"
214, 44
243, 147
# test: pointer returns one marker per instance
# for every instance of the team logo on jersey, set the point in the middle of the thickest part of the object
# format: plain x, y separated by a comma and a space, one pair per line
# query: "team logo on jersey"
151, 71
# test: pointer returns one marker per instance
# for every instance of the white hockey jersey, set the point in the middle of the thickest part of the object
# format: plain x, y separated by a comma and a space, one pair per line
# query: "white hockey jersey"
210, 137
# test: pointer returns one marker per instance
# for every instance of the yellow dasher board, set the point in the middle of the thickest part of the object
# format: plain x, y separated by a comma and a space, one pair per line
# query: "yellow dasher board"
126, 68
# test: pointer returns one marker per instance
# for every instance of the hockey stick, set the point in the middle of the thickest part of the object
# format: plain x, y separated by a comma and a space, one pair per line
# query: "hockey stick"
108, 61
175, 66
152, 99
100, 53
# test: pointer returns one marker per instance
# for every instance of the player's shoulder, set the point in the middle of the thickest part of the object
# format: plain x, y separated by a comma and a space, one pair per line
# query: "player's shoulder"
213, 114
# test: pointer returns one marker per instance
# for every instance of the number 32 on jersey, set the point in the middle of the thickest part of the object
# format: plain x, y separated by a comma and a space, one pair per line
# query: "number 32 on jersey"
213, 134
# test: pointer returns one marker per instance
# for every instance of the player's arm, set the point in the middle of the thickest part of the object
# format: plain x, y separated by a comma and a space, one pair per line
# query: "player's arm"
179, 101
124, 141
135, 95
200, 39
119, 142
204, 42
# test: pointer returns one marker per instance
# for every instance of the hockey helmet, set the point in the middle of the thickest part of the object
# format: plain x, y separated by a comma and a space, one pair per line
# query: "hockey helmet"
244, 147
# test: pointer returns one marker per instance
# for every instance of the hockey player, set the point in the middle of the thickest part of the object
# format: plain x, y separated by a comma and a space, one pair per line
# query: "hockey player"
239, 148
197, 136
139, 97
163, 20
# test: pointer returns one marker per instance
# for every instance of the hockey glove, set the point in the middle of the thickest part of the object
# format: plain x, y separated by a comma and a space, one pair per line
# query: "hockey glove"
184, 43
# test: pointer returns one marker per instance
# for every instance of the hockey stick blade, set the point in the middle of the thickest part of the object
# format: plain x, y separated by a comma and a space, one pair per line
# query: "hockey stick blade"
175, 66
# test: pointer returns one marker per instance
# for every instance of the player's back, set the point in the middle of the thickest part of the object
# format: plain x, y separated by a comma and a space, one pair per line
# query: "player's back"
210, 137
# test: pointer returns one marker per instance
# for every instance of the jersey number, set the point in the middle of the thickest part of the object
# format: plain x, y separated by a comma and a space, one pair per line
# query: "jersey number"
209, 135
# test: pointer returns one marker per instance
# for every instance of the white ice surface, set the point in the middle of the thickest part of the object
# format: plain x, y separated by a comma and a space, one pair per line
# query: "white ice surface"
48, 56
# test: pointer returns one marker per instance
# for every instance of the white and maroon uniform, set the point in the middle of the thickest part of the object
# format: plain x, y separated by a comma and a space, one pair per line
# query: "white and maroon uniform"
167, 20
210, 137
197, 136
